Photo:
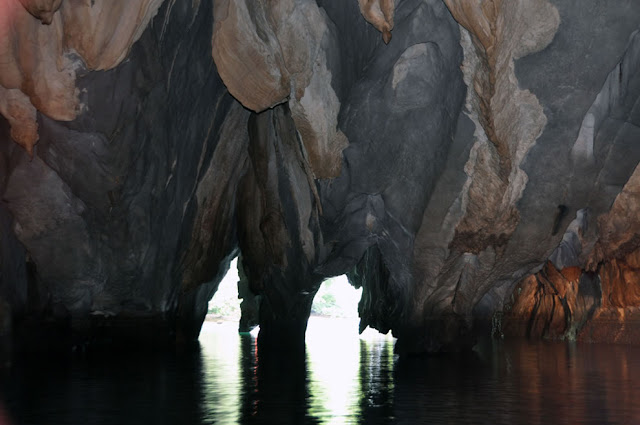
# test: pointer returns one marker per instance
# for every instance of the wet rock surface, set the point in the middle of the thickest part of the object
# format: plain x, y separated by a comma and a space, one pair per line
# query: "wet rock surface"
466, 166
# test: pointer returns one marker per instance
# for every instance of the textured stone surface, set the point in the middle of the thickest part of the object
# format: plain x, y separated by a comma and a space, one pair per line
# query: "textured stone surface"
378, 205
279, 229
600, 306
499, 33
568, 179
123, 213
43, 44
592, 296
268, 53
379, 13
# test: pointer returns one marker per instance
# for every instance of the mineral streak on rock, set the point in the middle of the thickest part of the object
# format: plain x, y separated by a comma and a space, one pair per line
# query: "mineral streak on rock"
550, 304
459, 248
508, 119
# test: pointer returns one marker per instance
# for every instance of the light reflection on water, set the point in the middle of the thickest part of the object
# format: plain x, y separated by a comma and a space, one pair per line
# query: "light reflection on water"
341, 373
346, 372
341, 379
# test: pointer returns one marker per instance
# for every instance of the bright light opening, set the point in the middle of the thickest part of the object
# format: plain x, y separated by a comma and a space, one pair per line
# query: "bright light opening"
336, 298
225, 304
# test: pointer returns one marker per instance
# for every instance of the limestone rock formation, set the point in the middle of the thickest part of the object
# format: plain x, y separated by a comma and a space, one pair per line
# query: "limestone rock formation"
479, 169
123, 225
377, 206
499, 33
590, 292
601, 241
43, 10
379, 13
40, 58
268, 53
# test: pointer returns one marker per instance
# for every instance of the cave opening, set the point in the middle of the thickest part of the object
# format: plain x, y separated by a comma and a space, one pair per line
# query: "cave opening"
336, 299
334, 310
225, 303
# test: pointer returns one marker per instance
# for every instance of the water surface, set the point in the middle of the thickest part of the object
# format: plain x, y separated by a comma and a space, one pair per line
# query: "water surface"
342, 379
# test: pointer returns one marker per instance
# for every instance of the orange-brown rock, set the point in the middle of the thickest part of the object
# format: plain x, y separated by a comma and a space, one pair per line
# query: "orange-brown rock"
379, 13
44, 42
21, 114
573, 304
620, 280
619, 229
543, 305
618, 318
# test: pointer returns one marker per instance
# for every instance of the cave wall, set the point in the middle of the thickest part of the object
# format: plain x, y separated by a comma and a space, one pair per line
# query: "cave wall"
125, 213
585, 163
440, 208
587, 291
463, 162
405, 109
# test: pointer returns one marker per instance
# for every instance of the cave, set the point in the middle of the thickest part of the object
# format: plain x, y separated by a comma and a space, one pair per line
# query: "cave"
471, 165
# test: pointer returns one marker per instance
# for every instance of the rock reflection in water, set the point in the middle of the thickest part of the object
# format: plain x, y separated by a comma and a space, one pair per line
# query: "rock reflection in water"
521, 382
341, 379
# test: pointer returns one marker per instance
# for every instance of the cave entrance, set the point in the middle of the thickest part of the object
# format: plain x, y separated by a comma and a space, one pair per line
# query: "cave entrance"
335, 312
225, 304
336, 298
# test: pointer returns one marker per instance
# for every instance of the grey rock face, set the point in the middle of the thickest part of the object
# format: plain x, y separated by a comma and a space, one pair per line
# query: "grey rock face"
564, 168
568, 92
403, 109
113, 203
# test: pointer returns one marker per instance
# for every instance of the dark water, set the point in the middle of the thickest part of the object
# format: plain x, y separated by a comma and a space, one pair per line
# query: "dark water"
342, 380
